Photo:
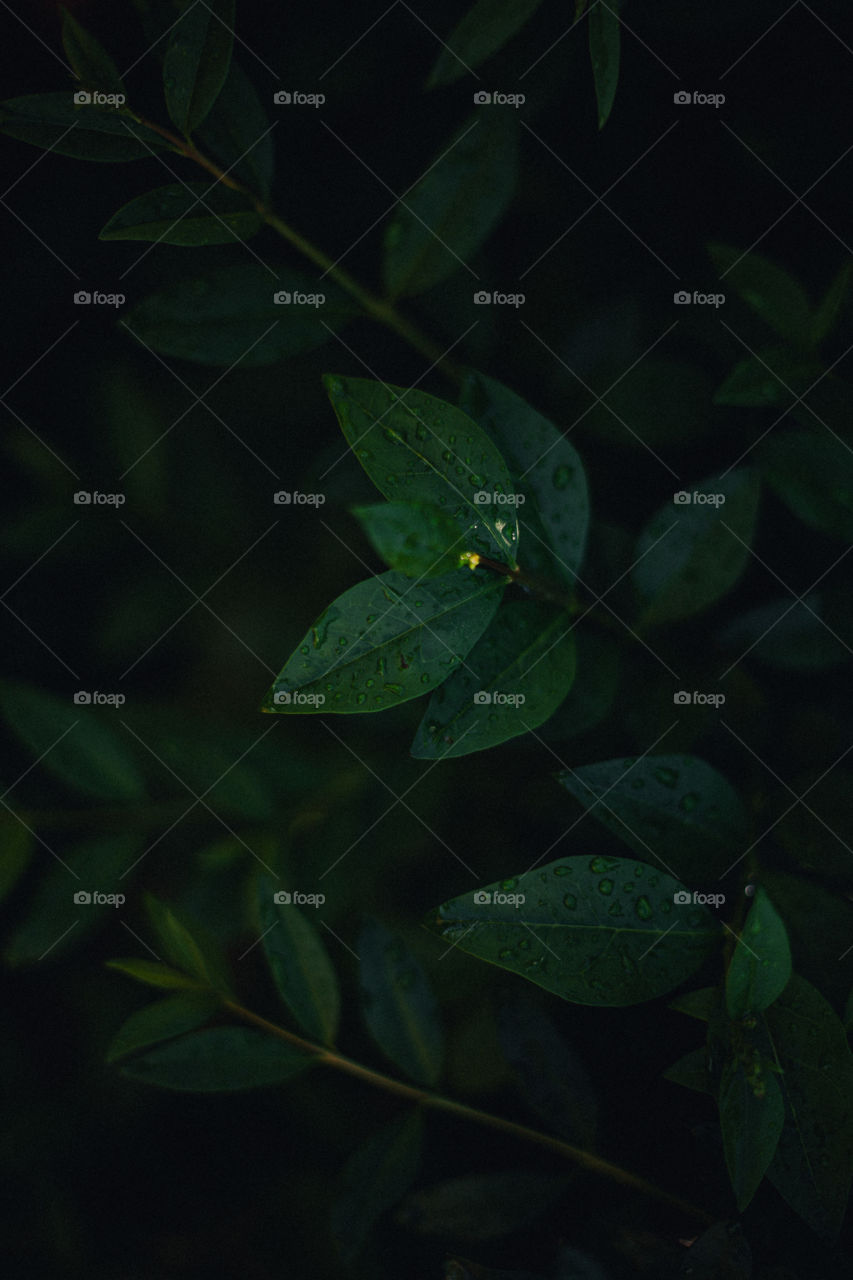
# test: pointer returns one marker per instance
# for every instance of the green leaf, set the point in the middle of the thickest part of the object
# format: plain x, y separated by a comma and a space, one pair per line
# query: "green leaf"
92, 65
54, 923
300, 965
54, 122
600, 931
190, 951
691, 1071
545, 468
218, 1060
789, 634
375, 1177
814, 1160
751, 383
415, 538
692, 552
827, 313
591, 697
398, 1004
761, 964
513, 679
486, 27
197, 61
676, 807
451, 211
418, 448
818, 920
848, 1013
702, 1003
383, 642
73, 743
812, 472
162, 1020
238, 133
604, 45
194, 213
768, 289
16, 850
752, 1124
229, 315
484, 1206
153, 973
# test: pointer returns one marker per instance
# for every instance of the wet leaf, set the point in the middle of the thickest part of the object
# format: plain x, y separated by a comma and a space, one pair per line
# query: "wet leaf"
398, 1004
197, 60
415, 538
221, 1059
599, 931
194, 213
760, 967
300, 965
752, 1124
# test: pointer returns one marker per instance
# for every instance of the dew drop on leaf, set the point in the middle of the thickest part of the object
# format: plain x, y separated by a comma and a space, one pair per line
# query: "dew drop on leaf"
570, 901
668, 777
605, 886
643, 908
562, 477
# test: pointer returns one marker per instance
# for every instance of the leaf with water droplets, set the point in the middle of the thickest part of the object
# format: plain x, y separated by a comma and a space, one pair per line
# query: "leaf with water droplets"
485, 28
604, 46
513, 679
418, 448
197, 60
751, 1116
417, 538
185, 213
545, 468
761, 964
813, 1164
599, 931
675, 808
383, 642
813, 475
398, 1004
695, 548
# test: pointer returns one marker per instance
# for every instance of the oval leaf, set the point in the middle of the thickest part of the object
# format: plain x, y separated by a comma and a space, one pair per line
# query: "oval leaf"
198, 58
162, 1020
604, 46
383, 642
222, 1059
813, 475
761, 964
375, 1177
768, 289
513, 679
600, 931
415, 538
398, 1004
192, 213
238, 133
451, 211
189, 950
92, 65
300, 965
693, 551
486, 27
752, 1125
418, 448
675, 807
153, 973
85, 131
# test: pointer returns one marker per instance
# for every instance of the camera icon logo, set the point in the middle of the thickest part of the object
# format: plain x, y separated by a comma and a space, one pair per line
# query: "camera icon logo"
482, 698
482, 897
282, 98
482, 497
282, 698
82, 97
282, 897
682, 698
82, 898
282, 498
481, 98
682, 298
682, 898
482, 298
82, 498
82, 698
682, 498
281, 299
82, 298
681, 98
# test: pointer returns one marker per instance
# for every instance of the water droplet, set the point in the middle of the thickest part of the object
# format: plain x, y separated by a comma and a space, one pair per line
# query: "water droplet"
393, 688
447, 456
616, 908
368, 684
362, 697
562, 871
667, 777
508, 885
628, 886
643, 908
371, 617
598, 865
689, 802
524, 944
506, 954
605, 886
303, 648
639, 869
561, 477
421, 431
570, 901
425, 679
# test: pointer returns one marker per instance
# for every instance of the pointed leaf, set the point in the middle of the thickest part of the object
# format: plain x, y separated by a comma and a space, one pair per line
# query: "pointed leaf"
761, 964
675, 807
486, 28
767, 288
418, 448
751, 383
702, 1003
154, 974
693, 551
513, 679
222, 1059
17, 845
812, 473
92, 65
600, 931
415, 538
197, 61
188, 949
162, 1020
237, 131
383, 642
827, 313
230, 315
194, 213
73, 742
375, 1177
87, 131
604, 44
300, 965
441, 223
691, 1071
545, 468
752, 1124
398, 1004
